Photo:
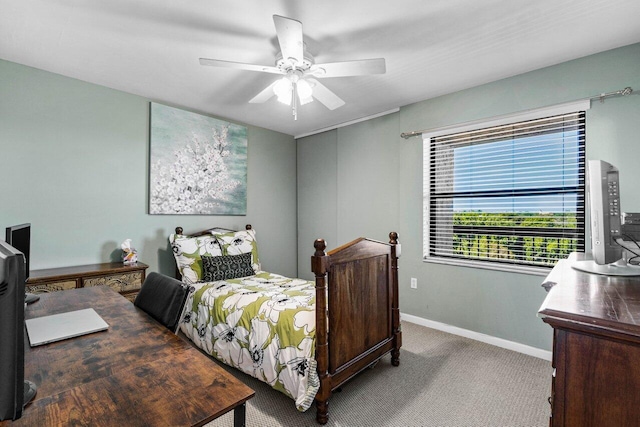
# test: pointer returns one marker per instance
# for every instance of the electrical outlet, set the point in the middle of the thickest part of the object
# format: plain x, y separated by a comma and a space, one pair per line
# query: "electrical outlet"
414, 283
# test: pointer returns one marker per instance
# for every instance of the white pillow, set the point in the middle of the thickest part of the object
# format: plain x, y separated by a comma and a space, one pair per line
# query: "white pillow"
240, 242
188, 252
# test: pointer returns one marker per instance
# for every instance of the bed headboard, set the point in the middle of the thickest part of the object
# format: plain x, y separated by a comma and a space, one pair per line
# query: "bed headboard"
180, 230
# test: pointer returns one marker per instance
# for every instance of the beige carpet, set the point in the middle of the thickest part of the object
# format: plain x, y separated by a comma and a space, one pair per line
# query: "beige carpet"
442, 380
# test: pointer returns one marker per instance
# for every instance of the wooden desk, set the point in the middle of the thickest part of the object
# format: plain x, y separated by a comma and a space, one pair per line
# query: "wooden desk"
596, 347
137, 373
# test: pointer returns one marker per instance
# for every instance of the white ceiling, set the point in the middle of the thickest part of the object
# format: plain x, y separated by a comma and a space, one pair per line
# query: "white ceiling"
151, 47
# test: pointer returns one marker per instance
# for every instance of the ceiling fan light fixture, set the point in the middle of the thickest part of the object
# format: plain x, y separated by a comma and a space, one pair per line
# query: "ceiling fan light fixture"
283, 89
299, 85
305, 92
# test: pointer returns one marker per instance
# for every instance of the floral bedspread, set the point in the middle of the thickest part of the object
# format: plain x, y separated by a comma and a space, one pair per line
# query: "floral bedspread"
264, 325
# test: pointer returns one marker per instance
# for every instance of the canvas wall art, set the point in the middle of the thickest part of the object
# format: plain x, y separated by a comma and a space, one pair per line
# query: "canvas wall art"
198, 164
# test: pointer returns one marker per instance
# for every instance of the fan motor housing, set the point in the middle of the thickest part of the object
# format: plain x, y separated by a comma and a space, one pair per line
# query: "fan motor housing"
285, 65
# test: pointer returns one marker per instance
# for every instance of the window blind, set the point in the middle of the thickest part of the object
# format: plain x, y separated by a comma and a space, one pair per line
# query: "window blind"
509, 194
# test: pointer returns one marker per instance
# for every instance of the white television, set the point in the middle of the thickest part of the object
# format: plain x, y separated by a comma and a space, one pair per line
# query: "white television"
608, 247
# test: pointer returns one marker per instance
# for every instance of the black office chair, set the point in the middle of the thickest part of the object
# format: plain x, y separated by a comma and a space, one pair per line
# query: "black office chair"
163, 298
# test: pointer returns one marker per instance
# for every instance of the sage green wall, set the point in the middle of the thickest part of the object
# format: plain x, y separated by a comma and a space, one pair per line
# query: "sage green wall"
383, 177
317, 203
342, 187
75, 164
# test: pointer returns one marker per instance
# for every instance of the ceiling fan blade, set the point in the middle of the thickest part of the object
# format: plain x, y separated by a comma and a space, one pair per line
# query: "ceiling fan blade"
325, 96
349, 68
239, 66
265, 95
289, 32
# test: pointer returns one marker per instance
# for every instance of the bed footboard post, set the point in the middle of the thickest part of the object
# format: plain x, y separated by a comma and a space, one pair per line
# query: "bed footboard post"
395, 303
320, 266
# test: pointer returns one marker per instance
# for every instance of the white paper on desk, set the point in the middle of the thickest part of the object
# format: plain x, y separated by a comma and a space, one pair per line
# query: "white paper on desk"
56, 327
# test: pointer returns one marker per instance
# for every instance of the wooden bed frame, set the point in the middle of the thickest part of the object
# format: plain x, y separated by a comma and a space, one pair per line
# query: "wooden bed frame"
357, 313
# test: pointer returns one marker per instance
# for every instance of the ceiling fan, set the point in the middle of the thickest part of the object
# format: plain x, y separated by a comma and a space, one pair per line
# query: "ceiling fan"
299, 84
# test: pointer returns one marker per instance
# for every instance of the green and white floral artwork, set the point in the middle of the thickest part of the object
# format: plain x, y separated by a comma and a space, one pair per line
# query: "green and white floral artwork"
198, 164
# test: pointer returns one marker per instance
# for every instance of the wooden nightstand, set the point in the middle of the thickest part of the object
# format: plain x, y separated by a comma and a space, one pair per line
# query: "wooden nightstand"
123, 278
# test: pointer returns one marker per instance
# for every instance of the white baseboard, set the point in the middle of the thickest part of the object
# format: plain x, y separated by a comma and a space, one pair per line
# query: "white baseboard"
499, 342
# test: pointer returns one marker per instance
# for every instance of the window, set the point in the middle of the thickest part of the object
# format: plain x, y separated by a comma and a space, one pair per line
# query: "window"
506, 196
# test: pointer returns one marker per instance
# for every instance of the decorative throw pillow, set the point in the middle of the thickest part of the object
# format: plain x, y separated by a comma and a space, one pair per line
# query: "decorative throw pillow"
240, 242
226, 267
188, 252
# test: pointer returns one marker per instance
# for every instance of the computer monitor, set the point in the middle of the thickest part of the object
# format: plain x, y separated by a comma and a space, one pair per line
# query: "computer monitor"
19, 236
15, 392
607, 243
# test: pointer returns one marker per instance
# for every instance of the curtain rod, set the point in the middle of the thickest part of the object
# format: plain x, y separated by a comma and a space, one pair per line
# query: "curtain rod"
626, 91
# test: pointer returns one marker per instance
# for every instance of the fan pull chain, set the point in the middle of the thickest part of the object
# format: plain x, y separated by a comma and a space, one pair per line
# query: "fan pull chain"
294, 101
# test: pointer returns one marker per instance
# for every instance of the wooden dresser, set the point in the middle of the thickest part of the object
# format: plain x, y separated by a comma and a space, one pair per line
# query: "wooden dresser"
596, 347
126, 279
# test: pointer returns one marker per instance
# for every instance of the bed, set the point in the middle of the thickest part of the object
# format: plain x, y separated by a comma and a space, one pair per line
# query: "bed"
304, 338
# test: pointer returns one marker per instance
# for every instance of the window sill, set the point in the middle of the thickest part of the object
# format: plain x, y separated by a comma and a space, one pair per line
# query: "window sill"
534, 271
